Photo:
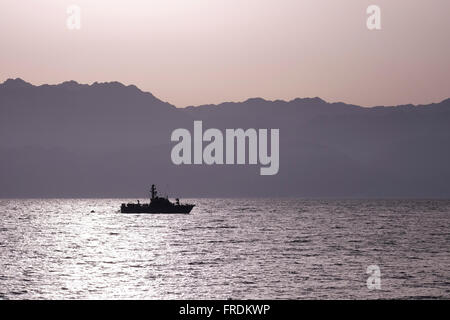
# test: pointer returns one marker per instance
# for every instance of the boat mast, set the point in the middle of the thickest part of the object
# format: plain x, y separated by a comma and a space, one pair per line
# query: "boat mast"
153, 192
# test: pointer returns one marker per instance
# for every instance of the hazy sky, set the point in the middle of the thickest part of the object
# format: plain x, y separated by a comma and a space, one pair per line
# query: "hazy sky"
191, 52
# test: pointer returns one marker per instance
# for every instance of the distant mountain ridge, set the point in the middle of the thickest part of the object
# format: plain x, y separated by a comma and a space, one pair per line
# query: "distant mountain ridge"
112, 140
18, 83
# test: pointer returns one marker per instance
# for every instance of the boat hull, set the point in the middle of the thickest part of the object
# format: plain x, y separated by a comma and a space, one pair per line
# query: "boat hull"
175, 209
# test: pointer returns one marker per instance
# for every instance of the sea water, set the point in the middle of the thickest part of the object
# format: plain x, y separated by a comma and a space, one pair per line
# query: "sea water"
226, 248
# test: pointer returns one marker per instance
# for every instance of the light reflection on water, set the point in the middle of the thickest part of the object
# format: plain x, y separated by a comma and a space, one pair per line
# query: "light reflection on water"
227, 248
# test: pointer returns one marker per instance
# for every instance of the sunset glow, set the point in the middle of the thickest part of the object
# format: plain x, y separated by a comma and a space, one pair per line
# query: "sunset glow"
190, 52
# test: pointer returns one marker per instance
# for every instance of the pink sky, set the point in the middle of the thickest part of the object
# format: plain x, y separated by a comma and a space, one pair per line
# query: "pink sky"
191, 52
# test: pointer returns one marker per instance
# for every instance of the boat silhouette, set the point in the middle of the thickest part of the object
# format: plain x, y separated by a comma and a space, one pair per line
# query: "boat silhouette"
156, 205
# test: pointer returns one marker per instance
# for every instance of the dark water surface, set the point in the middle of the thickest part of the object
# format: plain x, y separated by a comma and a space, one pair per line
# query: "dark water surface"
246, 248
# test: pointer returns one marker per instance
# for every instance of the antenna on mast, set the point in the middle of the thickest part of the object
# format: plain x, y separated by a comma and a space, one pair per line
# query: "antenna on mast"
153, 192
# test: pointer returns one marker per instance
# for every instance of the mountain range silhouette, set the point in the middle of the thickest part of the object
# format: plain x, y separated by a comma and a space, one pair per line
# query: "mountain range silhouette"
112, 140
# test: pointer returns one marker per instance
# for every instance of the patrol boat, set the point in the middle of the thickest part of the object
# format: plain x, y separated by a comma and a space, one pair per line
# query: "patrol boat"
156, 205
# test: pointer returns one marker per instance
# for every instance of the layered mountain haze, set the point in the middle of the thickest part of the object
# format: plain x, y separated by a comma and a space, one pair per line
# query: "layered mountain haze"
112, 140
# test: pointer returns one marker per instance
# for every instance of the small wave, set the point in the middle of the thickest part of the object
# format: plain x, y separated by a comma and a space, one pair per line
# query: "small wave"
300, 241
439, 297
218, 227
193, 263
247, 209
